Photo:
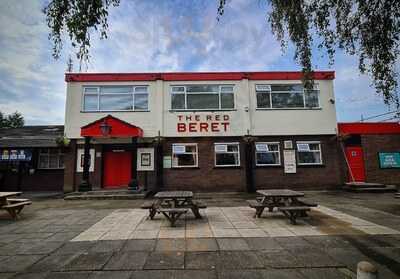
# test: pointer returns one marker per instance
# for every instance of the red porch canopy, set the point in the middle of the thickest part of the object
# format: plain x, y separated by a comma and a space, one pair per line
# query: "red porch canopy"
369, 128
110, 126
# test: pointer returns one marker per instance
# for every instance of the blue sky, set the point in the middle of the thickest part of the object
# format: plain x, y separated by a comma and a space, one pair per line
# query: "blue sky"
152, 35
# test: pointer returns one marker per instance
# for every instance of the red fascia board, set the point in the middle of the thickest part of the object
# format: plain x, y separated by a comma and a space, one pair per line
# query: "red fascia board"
369, 128
193, 76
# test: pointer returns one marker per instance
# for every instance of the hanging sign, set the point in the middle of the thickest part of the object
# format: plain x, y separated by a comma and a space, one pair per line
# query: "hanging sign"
389, 160
15, 155
289, 158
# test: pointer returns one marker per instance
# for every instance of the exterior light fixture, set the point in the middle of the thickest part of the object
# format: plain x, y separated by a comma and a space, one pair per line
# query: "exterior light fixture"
105, 128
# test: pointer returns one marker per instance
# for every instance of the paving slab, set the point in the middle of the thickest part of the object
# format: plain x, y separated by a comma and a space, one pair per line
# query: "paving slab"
54, 262
170, 245
231, 244
313, 257
139, 245
282, 274
165, 260
6, 275
41, 275
69, 275
88, 261
154, 274
321, 273
201, 260
241, 274
201, 244
62, 236
263, 243
18, 263
43, 248
111, 274
239, 260
278, 259
107, 246
195, 274
126, 261
75, 247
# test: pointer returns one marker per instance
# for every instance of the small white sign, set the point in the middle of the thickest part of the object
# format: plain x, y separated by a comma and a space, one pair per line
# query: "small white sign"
167, 162
145, 159
289, 158
221, 148
303, 147
288, 144
262, 147
178, 149
79, 158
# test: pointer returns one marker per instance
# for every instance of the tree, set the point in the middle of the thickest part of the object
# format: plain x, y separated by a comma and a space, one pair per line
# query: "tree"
369, 30
14, 120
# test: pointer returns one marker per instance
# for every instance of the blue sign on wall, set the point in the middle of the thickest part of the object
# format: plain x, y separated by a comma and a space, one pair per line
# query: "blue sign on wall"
389, 160
15, 155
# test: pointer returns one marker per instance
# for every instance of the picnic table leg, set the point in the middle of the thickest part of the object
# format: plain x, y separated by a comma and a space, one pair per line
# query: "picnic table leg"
196, 212
259, 211
12, 213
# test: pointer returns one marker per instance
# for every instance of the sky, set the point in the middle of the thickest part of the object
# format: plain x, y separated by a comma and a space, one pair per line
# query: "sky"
157, 36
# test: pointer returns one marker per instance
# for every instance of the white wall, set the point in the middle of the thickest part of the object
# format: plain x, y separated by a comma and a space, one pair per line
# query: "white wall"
243, 120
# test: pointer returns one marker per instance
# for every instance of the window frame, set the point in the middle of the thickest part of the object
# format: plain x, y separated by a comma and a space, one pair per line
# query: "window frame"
278, 151
185, 93
99, 94
59, 154
314, 151
185, 144
226, 152
270, 92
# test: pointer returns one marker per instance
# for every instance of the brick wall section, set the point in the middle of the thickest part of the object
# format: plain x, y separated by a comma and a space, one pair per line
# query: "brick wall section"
372, 144
95, 177
70, 167
41, 180
206, 177
326, 176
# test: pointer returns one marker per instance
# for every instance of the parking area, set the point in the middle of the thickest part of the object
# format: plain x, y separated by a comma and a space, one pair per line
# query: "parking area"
114, 239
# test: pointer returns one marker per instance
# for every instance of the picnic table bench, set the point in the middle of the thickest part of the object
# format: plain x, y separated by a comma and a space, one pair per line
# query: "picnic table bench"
168, 201
286, 201
13, 206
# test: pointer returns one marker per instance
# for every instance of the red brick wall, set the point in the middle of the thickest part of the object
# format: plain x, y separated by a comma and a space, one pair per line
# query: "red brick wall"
372, 144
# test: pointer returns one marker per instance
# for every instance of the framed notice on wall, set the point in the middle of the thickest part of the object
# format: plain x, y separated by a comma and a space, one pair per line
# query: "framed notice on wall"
289, 159
145, 159
389, 160
79, 158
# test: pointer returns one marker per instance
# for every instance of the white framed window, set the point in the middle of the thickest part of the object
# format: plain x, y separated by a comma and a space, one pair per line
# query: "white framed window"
50, 158
202, 97
115, 98
184, 155
309, 153
227, 154
268, 154
286, 96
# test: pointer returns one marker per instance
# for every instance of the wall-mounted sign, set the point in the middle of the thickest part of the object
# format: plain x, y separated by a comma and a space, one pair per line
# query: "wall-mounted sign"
15, 155
167, 162
196, 123
389, 160
145, 159
288, 144
289, 158
79, 157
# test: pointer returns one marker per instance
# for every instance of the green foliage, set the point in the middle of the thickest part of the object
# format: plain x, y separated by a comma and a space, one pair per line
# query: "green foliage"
14, 120
77, 18
367, 29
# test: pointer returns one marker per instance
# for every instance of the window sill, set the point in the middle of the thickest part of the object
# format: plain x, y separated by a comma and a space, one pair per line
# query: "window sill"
102, 111
200, 110
312, 166
227, 167
185, 168
268, 166
272, 109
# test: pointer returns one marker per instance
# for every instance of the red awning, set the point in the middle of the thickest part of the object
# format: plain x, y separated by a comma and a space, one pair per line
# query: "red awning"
111, 126
369, 128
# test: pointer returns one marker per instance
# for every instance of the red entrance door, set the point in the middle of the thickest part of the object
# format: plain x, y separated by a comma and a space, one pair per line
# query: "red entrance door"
355, 158
117, 169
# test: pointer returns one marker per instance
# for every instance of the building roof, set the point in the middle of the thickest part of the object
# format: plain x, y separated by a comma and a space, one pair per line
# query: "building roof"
194, 76
31, 136
364, 128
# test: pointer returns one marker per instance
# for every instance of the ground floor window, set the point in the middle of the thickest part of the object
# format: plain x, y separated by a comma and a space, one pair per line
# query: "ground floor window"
51, 158
309, 153
227, 154
267, 154
184, 155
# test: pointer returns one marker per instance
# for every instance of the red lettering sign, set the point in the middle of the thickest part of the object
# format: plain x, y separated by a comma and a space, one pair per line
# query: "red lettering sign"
181, 127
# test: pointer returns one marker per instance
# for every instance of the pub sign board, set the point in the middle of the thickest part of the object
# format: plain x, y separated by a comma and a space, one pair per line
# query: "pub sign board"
15, 155
389, 160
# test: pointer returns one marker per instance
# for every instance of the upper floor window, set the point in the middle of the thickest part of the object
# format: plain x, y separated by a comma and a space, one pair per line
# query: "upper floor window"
115, 98
202, 97
51, 158
286, 96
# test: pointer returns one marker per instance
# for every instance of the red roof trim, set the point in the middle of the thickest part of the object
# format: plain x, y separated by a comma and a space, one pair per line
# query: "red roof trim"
369, 128
193, 76
119, 128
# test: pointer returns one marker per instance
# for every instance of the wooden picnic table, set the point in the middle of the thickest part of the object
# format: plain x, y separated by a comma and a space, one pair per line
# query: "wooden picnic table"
11, 204
279, 197
177, 199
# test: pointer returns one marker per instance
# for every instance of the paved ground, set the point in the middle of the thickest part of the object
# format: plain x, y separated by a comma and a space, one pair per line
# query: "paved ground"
112, 239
